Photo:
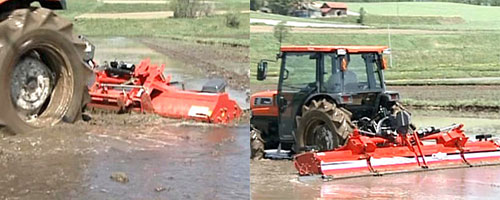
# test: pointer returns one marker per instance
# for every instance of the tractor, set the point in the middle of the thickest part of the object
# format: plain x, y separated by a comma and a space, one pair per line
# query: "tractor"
43, 74
323, 94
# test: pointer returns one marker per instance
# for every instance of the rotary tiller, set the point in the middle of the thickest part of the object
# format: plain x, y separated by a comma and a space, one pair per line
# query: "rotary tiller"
429, 149
145, 89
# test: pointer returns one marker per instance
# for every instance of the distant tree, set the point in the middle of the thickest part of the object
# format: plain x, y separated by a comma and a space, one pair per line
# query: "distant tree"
283, 7
256, 4
362, 15
191, 8
253, 5
232, 19
281, 31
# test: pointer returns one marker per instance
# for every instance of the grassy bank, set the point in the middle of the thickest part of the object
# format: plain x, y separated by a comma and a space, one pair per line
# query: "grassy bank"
475, 17
211, 29
237, 5
420, 56
206, 29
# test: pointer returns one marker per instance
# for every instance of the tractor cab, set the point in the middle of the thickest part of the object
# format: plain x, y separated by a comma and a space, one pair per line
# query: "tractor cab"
348, 78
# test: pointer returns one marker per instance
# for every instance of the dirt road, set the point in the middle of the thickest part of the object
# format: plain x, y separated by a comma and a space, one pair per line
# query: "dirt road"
269, 29
273, 22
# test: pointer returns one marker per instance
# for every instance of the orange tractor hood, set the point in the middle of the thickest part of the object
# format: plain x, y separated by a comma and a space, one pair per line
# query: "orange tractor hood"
264, 103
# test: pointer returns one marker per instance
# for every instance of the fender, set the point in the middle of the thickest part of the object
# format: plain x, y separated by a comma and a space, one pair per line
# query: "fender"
335, 98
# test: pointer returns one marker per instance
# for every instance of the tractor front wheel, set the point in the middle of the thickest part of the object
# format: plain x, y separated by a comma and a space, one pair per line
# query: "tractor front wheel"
323, 126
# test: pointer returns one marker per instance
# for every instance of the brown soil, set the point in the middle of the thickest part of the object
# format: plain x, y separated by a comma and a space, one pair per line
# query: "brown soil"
262, 87
216, 61
76, 161
449, 94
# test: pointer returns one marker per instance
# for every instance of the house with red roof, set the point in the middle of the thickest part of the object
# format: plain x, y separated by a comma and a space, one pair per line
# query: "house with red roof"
333, 9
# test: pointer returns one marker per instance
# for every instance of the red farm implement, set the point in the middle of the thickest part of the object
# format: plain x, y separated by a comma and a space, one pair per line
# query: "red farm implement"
145, 89
429, 149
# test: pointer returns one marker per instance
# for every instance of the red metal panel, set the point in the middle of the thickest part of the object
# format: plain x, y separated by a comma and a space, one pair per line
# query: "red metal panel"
364, 155
149, 91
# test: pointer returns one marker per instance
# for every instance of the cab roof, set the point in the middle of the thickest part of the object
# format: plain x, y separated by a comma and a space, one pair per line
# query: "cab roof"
333, 48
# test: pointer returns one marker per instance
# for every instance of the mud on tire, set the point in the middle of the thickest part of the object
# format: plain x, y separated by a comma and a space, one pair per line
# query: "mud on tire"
322, 126
39, 34
256, 144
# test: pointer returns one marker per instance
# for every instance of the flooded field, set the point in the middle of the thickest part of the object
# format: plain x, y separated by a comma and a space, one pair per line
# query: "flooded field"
131, 156
278, 179
154, 158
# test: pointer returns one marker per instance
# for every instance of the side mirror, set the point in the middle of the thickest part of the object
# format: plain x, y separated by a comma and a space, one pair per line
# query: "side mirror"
286, 73
343, 64
262, 70
384, 64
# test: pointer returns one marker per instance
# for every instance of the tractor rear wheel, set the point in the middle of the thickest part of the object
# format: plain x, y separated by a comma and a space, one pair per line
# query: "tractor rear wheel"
42, 74
323, 126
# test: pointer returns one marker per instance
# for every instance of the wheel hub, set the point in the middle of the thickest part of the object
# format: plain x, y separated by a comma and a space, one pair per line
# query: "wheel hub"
322, 137
31, 84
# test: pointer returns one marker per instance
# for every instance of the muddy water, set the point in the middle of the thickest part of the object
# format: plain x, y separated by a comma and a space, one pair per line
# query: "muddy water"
278, 179
162, 159
132, 51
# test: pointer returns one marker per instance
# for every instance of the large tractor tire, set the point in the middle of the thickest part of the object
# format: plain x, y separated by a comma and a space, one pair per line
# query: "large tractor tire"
323, 126
42, 74
256, 144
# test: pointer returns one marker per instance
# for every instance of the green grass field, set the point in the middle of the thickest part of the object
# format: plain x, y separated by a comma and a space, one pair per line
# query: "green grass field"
207, 29
469, 48
420, 15
424, 56
475, 17
210, 29
237, 5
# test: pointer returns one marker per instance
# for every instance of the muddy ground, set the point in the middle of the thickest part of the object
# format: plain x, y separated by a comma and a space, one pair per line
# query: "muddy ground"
161, 158
216, 61
132, 156
278, 179
476, 94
